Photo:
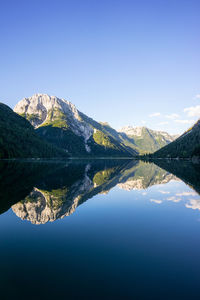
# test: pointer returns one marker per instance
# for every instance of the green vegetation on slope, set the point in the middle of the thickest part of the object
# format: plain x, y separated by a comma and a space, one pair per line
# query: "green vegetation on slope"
57, 131
101, 139
18, 138
106, 136
55, 118
149, 141
186, 146
122, 138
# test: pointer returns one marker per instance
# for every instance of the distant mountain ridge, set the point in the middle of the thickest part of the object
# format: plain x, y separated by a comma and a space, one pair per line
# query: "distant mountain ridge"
147, 140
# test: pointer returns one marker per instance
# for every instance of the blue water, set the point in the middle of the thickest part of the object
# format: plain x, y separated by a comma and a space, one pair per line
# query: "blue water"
132, 241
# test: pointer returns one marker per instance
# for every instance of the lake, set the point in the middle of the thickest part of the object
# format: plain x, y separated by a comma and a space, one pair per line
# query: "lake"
99, 229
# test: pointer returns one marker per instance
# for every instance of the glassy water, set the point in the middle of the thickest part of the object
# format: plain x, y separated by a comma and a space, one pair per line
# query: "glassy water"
104, 229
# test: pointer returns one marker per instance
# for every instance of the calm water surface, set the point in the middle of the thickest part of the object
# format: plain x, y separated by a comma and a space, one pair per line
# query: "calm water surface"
105, 229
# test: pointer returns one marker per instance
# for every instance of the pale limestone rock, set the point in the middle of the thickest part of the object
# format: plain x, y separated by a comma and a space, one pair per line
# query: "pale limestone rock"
41, 106
130, 130
138, 131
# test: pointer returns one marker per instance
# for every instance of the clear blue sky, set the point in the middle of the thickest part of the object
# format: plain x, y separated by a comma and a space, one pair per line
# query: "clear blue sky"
117, 61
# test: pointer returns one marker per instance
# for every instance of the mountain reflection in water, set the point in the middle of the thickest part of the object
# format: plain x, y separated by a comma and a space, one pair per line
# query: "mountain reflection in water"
46, 191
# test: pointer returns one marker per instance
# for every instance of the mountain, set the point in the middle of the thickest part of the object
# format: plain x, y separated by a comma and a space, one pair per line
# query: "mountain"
146, 140
59, 122
18, 138
186, 146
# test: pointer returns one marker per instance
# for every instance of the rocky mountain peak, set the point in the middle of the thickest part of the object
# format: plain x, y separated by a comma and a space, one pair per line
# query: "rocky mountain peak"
39, 105
131, 130
42, 109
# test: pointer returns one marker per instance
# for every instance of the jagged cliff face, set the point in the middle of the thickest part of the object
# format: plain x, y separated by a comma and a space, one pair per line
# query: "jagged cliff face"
130, 130
44, 110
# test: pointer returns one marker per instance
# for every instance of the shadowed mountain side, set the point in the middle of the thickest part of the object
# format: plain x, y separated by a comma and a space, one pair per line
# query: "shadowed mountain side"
186, 146
185, 170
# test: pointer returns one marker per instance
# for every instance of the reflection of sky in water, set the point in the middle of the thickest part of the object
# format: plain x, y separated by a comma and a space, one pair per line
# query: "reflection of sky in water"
175, 192
146, 182
171, 192
124, 244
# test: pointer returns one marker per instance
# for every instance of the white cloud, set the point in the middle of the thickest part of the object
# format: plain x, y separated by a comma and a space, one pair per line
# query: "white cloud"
194, 204
174, 199
187, 194
157, 114
172, 116
163, 123
156, 201
185, 121
197, 96
164, 192
193, 111
143, 122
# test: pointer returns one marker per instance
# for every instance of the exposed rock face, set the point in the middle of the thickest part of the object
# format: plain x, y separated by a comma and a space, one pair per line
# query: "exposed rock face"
42, 109
130, 130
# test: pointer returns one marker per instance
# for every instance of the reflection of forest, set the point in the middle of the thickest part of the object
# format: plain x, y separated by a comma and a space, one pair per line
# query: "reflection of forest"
185, 170
46, 191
